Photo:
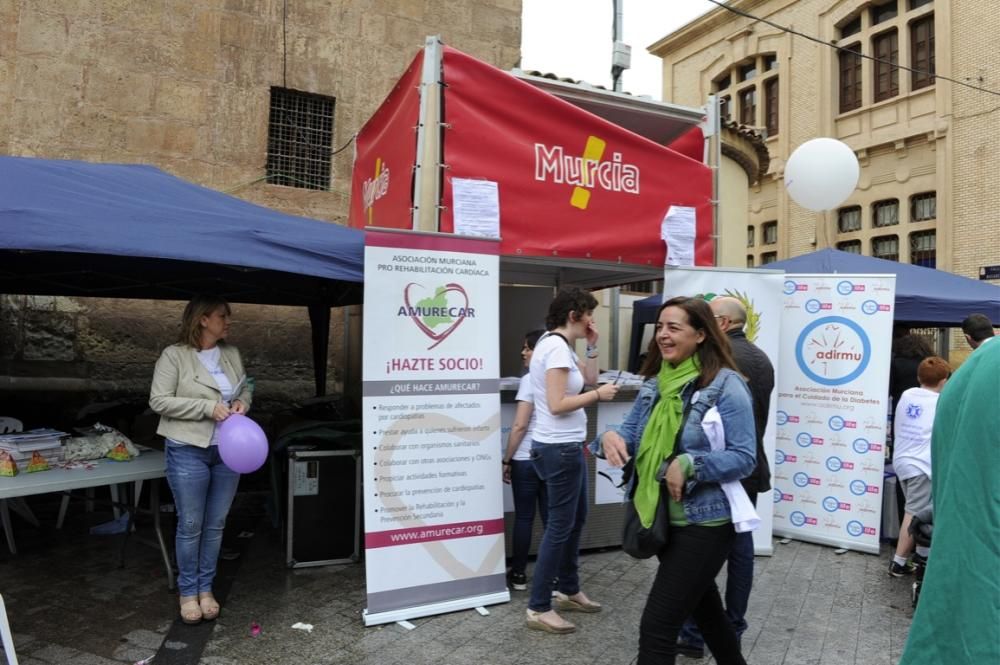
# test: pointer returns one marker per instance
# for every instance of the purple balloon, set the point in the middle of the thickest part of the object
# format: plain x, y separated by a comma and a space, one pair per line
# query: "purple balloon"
242, 444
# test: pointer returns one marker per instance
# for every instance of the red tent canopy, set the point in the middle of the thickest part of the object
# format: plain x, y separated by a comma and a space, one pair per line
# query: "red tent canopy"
570, 184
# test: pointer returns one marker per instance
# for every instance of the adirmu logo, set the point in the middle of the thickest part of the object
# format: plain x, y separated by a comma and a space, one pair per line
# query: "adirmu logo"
372, 189
586, 171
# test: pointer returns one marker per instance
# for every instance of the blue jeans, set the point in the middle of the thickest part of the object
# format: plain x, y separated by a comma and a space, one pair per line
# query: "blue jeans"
561, 467
529, 491
739, 580
203, 489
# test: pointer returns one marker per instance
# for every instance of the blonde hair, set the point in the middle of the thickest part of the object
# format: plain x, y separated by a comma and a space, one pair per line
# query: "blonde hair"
196, 308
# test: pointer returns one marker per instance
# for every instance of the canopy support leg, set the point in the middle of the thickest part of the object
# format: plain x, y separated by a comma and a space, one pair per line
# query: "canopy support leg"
319, 319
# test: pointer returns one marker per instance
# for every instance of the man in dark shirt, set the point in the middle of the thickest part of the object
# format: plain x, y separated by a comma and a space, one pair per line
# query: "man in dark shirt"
978, 330
759, 373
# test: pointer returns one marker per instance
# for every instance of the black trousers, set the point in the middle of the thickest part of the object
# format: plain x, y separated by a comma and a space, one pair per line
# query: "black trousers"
685, 586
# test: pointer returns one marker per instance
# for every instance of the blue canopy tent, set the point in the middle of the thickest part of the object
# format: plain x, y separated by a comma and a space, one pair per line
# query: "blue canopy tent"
924, 296
132, 231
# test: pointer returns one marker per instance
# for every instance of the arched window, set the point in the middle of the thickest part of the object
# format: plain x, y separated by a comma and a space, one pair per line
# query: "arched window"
748, 92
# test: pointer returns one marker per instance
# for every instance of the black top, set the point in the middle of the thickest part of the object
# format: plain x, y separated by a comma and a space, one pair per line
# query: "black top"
757, 369
902, 376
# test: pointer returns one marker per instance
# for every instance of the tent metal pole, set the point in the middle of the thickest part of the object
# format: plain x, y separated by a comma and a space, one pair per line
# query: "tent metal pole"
715, 120
613, 334
319, 320
427, 178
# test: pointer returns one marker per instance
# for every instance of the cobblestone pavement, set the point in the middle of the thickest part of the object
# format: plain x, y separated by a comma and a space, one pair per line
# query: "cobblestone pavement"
69, 604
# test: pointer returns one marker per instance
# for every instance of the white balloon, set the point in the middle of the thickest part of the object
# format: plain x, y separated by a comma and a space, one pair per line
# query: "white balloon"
821, 174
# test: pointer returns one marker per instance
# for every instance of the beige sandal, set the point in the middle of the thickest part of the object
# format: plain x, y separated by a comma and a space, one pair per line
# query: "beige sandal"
209, 606
191, 613
578, 602
549, 622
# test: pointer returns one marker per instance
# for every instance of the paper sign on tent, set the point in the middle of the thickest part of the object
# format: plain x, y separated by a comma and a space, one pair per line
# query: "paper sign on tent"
678, 232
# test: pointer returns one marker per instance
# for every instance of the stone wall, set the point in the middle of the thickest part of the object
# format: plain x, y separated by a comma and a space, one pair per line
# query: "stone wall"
185, 85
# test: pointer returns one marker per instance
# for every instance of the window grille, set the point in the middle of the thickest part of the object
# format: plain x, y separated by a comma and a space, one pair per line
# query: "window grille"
299, 139
886, 247
849, 219
923, 249
923, 207
885, 213
850, 246
769, 233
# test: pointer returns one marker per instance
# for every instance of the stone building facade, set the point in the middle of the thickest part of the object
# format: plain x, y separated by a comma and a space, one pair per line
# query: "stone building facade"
188, 85
928, 192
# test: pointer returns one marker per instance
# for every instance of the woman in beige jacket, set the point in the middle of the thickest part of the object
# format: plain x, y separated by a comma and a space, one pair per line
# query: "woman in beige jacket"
198, 383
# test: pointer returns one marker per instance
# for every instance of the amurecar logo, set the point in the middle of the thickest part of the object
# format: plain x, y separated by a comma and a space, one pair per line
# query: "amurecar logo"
449, 306
586, 171
372, 189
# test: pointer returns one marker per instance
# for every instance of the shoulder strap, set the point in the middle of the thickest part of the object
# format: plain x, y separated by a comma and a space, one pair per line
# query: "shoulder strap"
559, 335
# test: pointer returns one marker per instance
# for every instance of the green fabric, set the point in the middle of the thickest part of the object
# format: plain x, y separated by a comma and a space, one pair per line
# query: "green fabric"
957, 620
658, 437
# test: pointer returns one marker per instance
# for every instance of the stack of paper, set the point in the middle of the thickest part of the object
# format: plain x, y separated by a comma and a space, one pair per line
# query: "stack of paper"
45, 441
620, 377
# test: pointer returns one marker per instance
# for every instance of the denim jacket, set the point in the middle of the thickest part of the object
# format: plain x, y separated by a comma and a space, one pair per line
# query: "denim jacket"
703, 498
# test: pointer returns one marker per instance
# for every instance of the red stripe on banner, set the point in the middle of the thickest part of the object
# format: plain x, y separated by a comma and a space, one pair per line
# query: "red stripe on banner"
427, 534
440, 242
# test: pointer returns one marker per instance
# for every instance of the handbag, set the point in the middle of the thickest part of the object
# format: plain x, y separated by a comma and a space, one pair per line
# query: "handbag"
642, 542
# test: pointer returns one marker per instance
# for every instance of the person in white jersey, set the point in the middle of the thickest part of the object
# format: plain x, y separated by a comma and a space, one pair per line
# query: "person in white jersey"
911, 456
557, 379
198, 383
519, 472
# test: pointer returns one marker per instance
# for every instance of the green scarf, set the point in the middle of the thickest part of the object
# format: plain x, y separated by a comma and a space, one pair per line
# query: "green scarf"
658, 438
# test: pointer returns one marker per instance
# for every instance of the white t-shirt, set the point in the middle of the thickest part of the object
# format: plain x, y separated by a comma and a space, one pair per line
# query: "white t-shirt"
553, 352
913, 423
211, 359
525, 394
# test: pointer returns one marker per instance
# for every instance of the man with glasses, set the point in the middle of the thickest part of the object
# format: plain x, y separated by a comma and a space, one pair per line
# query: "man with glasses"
759, 373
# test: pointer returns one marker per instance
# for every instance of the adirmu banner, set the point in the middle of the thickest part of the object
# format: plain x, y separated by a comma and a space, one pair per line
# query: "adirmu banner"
434, 528
832, 403
386, 151
570, 183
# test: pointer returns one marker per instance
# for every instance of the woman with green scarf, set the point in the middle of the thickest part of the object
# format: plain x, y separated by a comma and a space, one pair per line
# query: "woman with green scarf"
689, 370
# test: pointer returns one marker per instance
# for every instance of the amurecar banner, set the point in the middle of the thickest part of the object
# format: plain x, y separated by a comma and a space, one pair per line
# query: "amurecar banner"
385, 154
832, 404
570, 183
434, 529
